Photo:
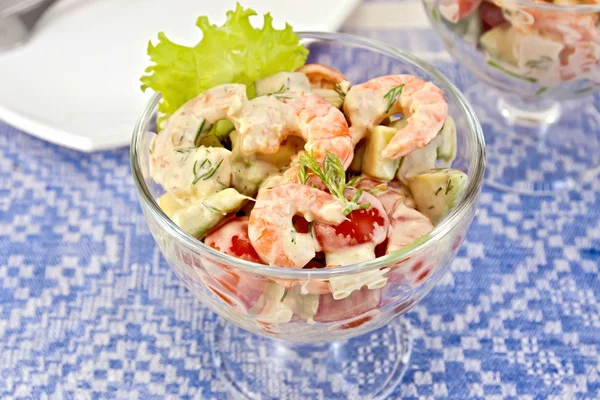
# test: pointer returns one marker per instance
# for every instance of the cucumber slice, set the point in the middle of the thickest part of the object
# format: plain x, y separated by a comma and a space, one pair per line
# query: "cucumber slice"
435, 192
373, 164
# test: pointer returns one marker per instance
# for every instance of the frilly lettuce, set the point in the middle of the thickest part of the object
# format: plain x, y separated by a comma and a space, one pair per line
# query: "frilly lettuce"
235, 52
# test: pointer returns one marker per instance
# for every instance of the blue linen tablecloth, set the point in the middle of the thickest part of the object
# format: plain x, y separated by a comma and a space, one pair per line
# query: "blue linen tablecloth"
89, 308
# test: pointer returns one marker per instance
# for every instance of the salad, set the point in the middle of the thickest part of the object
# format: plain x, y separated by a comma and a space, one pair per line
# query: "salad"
538, 44
287, 164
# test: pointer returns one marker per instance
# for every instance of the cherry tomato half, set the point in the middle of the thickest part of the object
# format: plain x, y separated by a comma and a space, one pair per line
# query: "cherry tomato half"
232, 238
361, 226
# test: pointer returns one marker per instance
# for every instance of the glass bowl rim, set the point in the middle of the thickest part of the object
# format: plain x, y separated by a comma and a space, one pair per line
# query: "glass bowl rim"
460, 211
571, 8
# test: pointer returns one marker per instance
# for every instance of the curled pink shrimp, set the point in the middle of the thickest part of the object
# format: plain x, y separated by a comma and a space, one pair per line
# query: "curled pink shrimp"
271, 229
175, 158
322, 76
422, 103
269, 120
388, 193
406, 226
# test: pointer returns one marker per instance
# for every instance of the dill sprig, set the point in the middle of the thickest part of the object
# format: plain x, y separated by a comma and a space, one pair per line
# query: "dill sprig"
340, 92
207, 175
281, 90
333, 176
392, 95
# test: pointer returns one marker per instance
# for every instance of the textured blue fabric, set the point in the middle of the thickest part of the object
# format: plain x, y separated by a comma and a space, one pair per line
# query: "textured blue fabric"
89, 308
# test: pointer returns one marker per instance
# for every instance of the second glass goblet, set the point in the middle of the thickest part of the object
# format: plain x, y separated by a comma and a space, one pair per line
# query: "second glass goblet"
540, 64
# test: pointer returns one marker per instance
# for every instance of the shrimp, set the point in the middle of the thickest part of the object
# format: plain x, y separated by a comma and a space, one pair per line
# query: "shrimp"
269, 120
321, 76
388, 193
423, 103
406, 226
175, 160
271, 230
455, 10
181, 129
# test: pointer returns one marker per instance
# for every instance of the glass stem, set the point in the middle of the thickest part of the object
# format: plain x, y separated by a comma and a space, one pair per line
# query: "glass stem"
529, 112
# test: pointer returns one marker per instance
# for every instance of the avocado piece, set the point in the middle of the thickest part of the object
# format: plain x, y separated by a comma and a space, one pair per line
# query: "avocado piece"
331, 96
373, 164
500, 44
226, 201
169, 204
336, 96
436, 191
209, 141
248, 172
282, 82
442, 147
359, 153
222, 128
418, 161
446, 149
198, 219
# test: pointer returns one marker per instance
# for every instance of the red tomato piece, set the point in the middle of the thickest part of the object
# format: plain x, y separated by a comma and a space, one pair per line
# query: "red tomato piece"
491, 16
301, 224
232, 238
361, 226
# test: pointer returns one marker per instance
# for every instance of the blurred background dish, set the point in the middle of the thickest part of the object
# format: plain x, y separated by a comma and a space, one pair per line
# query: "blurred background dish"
540, 64
74, 82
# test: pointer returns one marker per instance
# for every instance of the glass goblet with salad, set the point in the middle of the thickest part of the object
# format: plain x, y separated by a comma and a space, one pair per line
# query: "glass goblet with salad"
543, 59
307, 197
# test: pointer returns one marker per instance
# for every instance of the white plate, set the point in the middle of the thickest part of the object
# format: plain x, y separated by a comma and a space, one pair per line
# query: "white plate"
76, 82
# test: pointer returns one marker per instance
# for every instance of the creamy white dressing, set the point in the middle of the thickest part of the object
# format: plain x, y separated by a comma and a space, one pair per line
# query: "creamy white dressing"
351, 255
282, 82
196, 173
197, 219
341, 287
278, 304
277, 308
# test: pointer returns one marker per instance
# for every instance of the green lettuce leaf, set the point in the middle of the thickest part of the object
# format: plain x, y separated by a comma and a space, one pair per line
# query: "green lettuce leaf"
235, 52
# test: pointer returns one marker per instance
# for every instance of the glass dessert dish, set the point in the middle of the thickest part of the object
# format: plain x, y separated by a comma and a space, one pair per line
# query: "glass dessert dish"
310, 344
539, 64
